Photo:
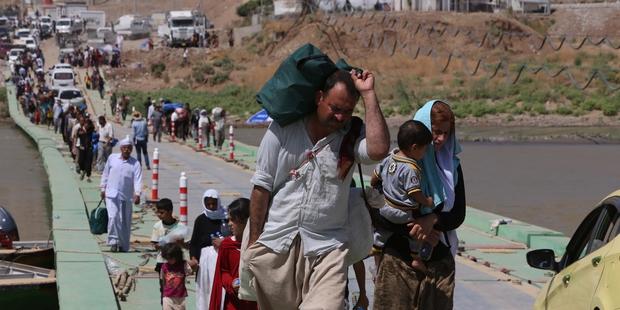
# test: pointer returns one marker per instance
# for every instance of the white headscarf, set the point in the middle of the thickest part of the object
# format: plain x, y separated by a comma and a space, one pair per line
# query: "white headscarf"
126, 141
217, 214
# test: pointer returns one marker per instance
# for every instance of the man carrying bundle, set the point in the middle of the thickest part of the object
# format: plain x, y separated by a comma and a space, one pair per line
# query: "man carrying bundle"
297, 240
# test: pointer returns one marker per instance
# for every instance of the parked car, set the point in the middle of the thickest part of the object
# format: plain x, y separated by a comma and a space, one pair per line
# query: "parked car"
588, 275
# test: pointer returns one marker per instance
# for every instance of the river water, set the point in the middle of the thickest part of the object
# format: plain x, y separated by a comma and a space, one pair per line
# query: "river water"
552, 185
24, 189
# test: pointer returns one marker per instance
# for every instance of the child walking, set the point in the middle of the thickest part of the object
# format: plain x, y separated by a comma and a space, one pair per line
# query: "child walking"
173, 274
166, 230
399, 177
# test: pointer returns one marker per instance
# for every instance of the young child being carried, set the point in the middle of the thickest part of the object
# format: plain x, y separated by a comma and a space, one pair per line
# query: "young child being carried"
166, 230
399, 178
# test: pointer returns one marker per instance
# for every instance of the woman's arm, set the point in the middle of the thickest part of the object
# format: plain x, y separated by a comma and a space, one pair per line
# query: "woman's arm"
194, 243
442, 221
225, 269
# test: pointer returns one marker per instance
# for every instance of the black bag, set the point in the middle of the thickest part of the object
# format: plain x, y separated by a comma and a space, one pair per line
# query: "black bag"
290, 94
98, 220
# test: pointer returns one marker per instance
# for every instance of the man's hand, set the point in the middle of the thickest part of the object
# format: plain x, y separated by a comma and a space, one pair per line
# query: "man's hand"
364, 82
422, 226
102, 194
136, 199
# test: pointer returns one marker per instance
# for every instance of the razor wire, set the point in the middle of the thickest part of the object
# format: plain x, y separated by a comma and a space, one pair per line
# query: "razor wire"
492, 68
493, 38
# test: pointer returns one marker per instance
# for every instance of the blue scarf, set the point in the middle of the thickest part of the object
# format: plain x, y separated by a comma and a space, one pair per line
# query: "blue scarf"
439, 170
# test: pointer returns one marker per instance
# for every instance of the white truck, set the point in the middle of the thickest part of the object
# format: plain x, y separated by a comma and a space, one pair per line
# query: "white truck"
182, 25
67, 26
93, 19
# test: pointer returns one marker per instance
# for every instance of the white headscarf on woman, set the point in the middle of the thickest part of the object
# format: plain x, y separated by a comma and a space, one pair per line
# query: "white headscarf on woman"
217, 214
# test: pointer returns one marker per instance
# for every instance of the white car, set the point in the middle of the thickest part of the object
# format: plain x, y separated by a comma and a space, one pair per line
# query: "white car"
31, 43
63, 77
45, 20
70, 96
65, 25
60, 66
22, 33
4, 22
15, 54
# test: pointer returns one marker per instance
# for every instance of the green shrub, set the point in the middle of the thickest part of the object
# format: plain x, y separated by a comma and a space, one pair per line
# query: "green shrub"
201, 73
609, 108
574, 95
589, 104
481, 108
462, 109
540, 108
236, 100
219, 78
479, 90
225, 64
564, 110
404, 101
247, 8
578, 112
157, 69
457, 82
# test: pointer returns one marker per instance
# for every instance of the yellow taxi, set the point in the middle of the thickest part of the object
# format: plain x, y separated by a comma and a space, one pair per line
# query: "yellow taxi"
588, 275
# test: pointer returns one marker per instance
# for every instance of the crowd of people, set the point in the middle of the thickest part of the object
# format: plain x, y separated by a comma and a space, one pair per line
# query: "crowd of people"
289, 245
89, 56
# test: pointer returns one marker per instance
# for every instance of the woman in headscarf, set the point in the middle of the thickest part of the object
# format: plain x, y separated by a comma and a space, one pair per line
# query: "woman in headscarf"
206, 238
398, 285
226, 279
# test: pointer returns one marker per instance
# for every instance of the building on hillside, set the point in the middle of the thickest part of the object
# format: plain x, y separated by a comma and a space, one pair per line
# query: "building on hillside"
530, 6
285, 7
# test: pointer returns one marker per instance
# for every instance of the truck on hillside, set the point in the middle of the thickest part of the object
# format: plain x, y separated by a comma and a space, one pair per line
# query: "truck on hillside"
184, 27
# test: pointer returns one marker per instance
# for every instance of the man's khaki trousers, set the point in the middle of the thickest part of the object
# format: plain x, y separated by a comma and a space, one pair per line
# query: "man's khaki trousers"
292, 281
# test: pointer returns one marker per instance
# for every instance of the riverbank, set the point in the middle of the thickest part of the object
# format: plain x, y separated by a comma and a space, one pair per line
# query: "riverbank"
24, 190
81, 275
